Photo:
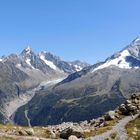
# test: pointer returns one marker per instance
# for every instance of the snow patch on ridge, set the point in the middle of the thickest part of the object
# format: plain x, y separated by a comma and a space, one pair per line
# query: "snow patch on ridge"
49, 63
119, 62
28, 61
78, 68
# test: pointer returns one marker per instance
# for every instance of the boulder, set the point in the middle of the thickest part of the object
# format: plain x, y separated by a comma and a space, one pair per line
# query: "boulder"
123, 110
131, 107
72, 137
22, 132
75, 130
99, 123
92, 122
134, 96
30, 131
136, 101
109, 116
52, 134
84, 123
128, 102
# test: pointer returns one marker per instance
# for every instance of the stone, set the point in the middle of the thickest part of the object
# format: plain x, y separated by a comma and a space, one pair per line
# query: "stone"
109, 116
136, 101
52, 134
92, 122
131, 107
72, 137
84, 123
123, 110
134, 133
135, 129
75, 130
133, 96
30, 131
22, 132
128, 102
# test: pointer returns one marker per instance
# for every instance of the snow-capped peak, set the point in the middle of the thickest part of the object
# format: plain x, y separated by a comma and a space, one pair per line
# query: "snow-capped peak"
136, 41
134, 48
28, 50
128, 58
119, 61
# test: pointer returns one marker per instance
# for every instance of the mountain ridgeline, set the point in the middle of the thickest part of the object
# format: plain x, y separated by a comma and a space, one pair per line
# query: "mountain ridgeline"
23, 72
87, 93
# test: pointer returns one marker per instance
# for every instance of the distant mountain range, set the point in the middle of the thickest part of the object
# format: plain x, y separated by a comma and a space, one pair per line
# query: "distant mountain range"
27, 70
88, 93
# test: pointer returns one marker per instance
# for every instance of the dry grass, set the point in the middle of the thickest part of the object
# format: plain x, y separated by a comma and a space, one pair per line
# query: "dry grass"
101, 130
133, 129
14, 130
113, 135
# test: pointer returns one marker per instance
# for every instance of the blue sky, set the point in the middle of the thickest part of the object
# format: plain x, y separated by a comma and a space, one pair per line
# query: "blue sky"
89, 30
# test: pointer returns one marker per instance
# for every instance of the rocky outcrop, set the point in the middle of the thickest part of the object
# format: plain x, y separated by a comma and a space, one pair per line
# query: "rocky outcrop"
75, 130
131, 106
110, 115
83, 129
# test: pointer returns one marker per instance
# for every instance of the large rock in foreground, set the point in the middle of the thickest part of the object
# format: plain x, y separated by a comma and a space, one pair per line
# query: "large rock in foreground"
75, 130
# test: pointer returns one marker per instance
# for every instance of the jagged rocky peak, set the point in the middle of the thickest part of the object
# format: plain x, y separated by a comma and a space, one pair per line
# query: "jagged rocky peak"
134, 48
27, 52
137, 41
49, 56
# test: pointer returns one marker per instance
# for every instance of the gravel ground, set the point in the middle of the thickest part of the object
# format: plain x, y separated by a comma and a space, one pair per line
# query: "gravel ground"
119, 128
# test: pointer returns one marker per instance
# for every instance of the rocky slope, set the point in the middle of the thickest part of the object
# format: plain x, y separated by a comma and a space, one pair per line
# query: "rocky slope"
88, 93
23, 72
110, 126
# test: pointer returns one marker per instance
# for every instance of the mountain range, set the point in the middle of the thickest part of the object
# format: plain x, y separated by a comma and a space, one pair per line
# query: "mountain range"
23, 72
86, 91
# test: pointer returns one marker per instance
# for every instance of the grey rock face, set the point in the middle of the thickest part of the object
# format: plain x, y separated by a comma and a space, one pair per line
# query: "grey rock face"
68, 67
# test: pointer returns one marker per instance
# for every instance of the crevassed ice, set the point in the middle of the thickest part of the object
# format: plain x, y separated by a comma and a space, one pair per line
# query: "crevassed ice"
119, 62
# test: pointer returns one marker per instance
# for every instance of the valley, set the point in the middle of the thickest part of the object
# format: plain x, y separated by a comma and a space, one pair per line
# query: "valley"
53, 98
69, 70
11, 107
116, 124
